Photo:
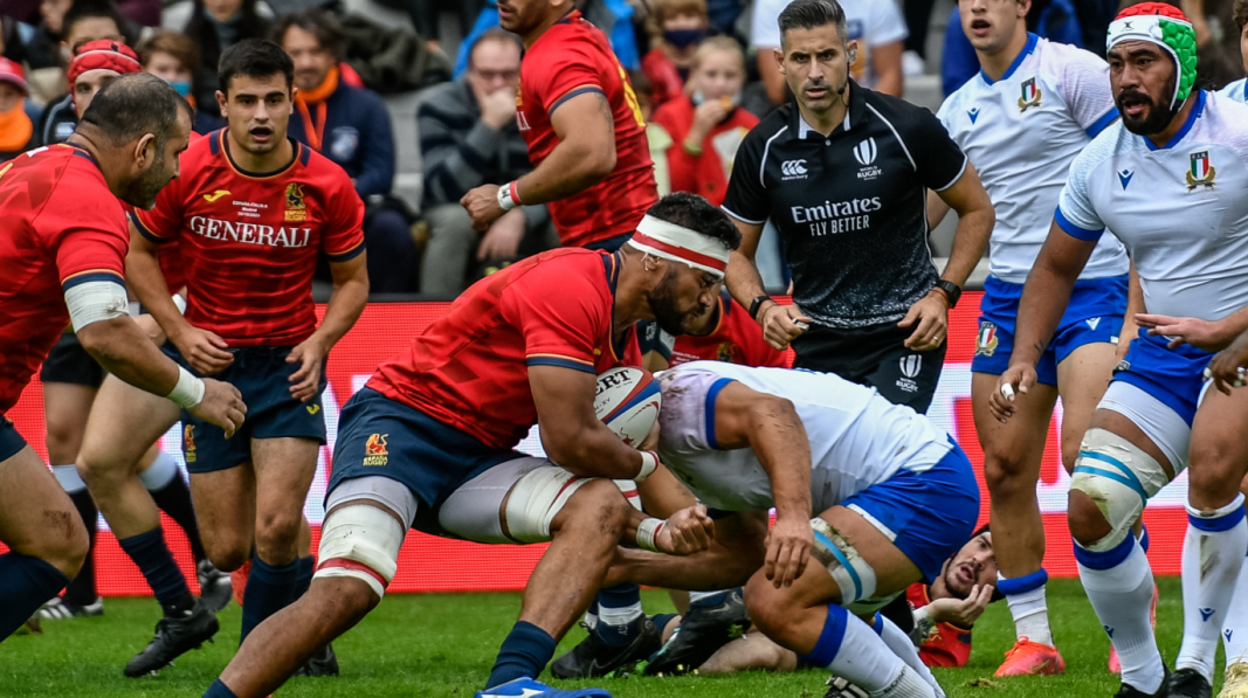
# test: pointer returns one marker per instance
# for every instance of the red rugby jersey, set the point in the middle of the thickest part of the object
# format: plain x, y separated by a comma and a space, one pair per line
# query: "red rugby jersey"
250, 241
947, 645
470, 368
737, 339
62, 227
570, 58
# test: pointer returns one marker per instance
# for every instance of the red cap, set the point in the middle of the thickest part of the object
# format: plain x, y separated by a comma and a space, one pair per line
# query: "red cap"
104, 54
12, 73
1153, 8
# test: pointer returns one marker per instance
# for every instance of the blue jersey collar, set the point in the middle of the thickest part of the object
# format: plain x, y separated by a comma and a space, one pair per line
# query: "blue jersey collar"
1192, 116
1032, 40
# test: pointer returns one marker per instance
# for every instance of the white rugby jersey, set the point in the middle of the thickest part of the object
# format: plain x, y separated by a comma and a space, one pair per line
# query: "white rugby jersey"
1181, 210
1237, 91
1021, 133
857, 438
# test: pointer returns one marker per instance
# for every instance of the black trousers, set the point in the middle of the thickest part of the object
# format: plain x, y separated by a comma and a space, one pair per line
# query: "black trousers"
874, 356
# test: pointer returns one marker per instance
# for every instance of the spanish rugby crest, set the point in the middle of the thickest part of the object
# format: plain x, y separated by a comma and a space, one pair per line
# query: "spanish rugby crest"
1202, 172
1031, 95
296, 210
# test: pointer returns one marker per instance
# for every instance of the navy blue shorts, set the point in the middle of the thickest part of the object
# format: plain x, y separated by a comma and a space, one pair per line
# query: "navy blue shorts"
1093, 315
262, 375
378, 436
10, 441
929, 512
1173, 376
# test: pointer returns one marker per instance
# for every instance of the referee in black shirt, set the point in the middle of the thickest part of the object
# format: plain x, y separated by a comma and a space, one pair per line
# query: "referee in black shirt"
844, 176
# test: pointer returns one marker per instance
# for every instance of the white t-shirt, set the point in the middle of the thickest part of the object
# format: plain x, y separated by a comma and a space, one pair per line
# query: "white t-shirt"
871, 22
1181, 210
857, 438
1237, 91
1021, 133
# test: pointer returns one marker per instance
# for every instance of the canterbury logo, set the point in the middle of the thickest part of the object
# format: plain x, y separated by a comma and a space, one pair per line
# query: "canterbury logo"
865, 152
210, 198
793, 168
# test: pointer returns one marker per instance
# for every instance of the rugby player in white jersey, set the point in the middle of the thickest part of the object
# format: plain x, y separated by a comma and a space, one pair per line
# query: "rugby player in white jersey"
1033, 106
1238, 90
892, 495
1168, 182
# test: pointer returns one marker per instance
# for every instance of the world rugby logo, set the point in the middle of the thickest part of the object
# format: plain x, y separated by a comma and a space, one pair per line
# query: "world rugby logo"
865, 152
793, 168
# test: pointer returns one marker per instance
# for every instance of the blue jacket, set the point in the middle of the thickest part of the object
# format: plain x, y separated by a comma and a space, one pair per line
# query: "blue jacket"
356, 136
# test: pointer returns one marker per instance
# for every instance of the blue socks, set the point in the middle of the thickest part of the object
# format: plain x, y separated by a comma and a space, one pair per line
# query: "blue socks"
25, 584
525, 652
218, 689
303, 578
270, 588
151, 554
618, 607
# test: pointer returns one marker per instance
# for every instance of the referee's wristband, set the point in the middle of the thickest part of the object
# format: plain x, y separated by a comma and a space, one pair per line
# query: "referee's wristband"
189, 390
649, 463
508, 196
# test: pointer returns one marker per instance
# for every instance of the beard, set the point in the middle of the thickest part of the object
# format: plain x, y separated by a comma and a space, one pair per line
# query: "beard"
1157, 116
141, 192
663, 305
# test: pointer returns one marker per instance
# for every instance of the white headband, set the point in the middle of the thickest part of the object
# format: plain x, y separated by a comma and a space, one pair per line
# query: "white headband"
670, 241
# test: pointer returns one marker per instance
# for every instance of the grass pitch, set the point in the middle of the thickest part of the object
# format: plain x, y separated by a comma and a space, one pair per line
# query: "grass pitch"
444, 645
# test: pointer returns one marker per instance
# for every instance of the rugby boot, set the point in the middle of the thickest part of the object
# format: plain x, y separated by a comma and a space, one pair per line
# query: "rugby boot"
593, 657
59, 609
1126, 691
214, 585
174, 637
525, 687
1029, 658
702, 631
1235, 683
323, 662
1187, 683
839, 687
1115, 664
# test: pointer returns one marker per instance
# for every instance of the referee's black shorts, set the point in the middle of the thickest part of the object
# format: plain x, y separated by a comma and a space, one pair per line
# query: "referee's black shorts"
875, 356
68, 362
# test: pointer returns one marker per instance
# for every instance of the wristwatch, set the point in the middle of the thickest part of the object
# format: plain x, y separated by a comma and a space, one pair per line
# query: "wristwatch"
756, 303
952, 291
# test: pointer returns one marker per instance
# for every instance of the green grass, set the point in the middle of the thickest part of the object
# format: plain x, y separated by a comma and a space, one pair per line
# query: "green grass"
444, 645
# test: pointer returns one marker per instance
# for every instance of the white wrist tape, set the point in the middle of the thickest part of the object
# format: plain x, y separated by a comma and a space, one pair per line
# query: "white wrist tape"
649, 462
94, 301
189, 391
180, 302
508, 196
647, 531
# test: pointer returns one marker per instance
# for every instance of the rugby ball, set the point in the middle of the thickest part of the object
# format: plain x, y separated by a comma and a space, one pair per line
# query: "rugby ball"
628, 401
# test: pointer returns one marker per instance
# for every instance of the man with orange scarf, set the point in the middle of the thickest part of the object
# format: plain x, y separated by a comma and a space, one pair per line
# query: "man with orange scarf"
349, 125
15, 126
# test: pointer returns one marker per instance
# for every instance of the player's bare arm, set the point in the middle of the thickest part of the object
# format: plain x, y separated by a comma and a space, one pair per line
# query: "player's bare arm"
1135, 307
1210, 335
886, 60
345, 305
688, 531
585, 156
745, 284
1044, 300
930, 315
768, 424
572, 435
205, 350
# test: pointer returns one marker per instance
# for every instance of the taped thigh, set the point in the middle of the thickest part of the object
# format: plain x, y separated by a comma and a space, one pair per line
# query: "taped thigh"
473, 511
362, 540
1156, 419
629, 488
537, 498
1120, 478
849, 570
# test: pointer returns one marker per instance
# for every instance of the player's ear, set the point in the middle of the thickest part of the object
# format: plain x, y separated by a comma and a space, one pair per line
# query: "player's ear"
222, 100
145, 151
779, 54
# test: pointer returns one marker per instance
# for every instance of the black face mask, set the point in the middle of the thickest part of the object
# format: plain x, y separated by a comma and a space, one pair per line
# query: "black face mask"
683, 38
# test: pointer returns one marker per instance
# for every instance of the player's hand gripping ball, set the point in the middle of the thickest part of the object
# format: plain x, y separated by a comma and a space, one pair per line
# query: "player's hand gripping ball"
628, 400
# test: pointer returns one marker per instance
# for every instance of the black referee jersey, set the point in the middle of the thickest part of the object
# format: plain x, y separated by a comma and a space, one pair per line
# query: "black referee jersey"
850, 207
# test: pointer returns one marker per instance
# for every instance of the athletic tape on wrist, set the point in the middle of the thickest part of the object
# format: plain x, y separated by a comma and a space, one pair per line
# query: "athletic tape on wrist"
649, 463
508, 196
180, 302
647, 531
189, 390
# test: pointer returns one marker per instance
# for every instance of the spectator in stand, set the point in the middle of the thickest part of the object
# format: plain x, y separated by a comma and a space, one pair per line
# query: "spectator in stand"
86, 21
214, 26
679, 27
174, 58
349, 125
468, 137
707, 126
16, 128
876, 25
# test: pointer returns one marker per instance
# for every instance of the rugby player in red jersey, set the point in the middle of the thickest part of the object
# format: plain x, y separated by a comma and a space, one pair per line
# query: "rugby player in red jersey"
64, 256
586, 136
731, 335
251, 214
428, 443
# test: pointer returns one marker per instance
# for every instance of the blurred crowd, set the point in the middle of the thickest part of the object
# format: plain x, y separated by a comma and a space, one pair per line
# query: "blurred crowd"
703, 72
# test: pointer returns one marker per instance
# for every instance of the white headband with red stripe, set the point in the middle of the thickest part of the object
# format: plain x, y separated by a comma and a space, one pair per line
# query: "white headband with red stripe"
678, 243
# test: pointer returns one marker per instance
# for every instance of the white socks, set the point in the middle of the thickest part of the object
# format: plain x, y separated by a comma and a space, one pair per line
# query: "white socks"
901, 645
160, 473
1031, 614
67, 475
1121, 595
851, 648
1212, 558
1235, 626
906, 685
